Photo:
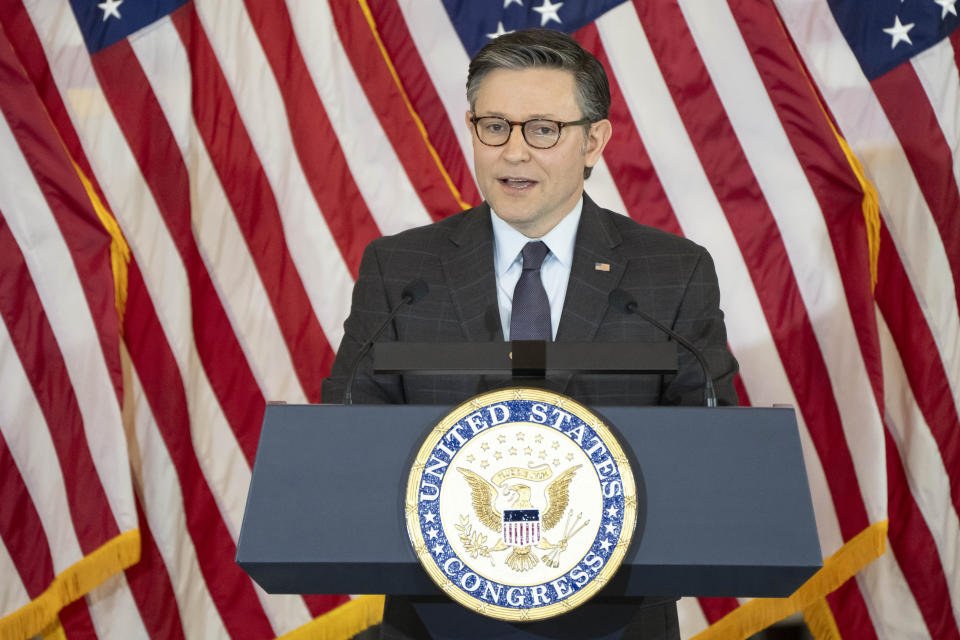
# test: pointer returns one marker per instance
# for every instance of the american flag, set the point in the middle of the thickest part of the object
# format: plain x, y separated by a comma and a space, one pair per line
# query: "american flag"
187, 188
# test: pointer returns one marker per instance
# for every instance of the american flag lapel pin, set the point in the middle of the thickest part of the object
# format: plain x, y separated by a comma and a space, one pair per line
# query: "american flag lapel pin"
601, 266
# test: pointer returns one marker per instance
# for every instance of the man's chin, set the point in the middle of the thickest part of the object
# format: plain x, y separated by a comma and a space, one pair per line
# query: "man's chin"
516, 217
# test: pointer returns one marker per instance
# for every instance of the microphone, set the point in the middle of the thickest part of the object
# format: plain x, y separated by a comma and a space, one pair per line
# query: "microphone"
623, 301
413, 293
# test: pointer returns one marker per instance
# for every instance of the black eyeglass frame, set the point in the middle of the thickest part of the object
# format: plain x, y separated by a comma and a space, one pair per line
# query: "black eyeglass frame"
523, 129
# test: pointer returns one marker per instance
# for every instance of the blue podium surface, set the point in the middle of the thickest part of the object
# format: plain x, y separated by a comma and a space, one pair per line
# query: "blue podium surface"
725, 507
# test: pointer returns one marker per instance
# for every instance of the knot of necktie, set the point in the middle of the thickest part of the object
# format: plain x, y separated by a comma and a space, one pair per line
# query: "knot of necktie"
534, 254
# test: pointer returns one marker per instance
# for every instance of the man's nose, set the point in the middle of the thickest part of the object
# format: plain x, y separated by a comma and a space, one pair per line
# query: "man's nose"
516, 149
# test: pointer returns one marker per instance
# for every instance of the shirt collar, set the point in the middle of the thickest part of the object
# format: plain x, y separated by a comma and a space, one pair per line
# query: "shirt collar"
508, 242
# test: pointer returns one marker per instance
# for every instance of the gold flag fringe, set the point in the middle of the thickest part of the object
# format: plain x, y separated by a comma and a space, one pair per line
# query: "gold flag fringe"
119, 249
341, 623
40, 614
820, 621
870, 205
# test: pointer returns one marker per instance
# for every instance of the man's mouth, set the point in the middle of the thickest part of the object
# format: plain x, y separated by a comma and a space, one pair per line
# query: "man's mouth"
517, 183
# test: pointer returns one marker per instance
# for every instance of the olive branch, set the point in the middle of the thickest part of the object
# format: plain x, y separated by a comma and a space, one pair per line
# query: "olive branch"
474, 541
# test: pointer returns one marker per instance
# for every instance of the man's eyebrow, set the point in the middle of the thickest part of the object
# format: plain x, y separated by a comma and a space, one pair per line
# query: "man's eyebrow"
535, 116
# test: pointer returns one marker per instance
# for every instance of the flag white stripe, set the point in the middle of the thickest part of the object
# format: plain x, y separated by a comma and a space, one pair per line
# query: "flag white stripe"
13, 593
31, 447
282, 611
824, 510
923, 464
220, 241
261, 108
702, 219
166, 517
862, 122
678, 167
391, 198
690, 615
890, 601
805, 237
58, 286
113, 611
602, 189
218, 452
445, 60
936, 68
221, 461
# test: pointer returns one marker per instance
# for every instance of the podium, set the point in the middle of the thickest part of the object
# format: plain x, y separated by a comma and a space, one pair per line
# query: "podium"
725, 510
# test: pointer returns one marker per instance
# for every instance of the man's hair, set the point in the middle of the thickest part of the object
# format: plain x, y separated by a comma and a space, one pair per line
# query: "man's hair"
547, 49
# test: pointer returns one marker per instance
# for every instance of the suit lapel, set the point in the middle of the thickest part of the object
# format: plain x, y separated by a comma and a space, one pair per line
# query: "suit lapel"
467, 262
596, 271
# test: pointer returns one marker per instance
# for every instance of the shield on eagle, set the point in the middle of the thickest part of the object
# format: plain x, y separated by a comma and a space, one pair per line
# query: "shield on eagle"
521, 526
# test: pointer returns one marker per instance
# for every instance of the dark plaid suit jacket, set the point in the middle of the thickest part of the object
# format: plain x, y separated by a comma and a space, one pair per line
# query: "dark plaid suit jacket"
671, 278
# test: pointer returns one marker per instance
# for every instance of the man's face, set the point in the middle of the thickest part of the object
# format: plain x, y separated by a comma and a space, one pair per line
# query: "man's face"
533, 189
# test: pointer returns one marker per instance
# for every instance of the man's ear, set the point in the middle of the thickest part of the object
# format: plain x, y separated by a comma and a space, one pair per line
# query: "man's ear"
598, 135
466, 119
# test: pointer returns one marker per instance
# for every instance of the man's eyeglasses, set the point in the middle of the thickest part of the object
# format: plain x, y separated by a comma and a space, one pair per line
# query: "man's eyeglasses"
495, 131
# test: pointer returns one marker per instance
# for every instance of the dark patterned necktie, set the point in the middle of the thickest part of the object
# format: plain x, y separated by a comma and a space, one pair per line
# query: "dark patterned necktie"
530, 318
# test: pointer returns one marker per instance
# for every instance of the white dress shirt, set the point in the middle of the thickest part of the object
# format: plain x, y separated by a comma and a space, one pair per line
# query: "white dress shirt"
554, 272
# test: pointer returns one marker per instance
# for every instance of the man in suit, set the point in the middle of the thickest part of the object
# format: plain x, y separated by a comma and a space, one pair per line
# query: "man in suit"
538, 259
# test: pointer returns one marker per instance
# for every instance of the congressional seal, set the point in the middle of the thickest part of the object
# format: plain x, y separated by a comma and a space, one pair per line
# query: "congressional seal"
521, 504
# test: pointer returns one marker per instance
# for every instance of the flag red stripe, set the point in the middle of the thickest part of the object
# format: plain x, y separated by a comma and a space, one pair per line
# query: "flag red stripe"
147, 133
23, 37
76, 621
155, 601
70, 205
743, 398
762, 248
21, 528
423, 95
630, 167
36, 345
921, 359
916, 552
850, 612
151, 587
230, 589
387, 102
321, 157
913, 119
716, 608
77, 233
95, 278
834, 184
626, 156
255, 207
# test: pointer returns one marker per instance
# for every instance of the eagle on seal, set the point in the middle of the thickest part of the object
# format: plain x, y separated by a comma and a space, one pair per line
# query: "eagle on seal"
520, 525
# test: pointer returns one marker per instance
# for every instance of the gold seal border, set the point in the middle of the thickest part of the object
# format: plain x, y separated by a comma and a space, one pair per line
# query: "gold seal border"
586, 592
